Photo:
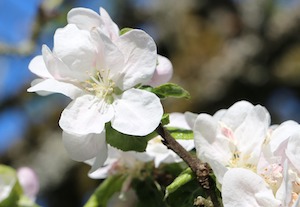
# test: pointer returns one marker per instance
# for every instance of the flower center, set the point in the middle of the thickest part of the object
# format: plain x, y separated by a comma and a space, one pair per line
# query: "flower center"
101, 86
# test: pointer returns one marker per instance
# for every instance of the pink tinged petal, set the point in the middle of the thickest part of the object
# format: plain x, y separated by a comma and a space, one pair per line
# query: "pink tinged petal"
210, 145
49, 86
29, 182
140, 55
55, 66
38, 67
77, 50
84, 147
137, 112
163, 72
111, 27
242, 187
85, 115
85, 19
293, 150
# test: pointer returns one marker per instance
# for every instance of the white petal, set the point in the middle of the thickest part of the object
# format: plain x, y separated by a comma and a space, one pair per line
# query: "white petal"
102, 172
38, 67
100, 158
284, 193
236, 114
109, 56
111, 27
282, 133
242, 187
85, 115
163, 72
137, 112
48, 86
187, 144
293, 150
83, 147
209, 145
251, 134
190, 119
84, 18
178, 120
55, 66
139, 51
77, 50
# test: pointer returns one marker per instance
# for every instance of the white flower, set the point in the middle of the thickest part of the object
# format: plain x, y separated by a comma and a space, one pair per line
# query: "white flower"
100, 76
87, 19
231, 138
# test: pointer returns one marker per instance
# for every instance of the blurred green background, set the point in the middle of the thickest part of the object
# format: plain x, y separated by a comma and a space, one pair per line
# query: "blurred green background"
222, 51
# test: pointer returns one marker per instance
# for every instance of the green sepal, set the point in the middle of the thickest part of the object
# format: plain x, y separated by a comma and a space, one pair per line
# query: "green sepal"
171, 90
165, 119
186, 176
179, 133
105, 191
124, 30
127, 142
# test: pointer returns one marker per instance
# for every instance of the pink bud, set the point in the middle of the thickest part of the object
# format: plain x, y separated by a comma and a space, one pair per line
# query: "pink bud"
163, 72
29, 181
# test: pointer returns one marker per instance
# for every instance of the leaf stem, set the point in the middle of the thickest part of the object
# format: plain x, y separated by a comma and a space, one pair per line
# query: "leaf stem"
200, 169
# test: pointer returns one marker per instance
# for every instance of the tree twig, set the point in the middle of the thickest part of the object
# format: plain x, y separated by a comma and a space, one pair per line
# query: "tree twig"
200, 169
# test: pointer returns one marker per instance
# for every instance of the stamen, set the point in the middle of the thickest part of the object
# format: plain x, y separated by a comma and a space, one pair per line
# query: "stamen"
100, 85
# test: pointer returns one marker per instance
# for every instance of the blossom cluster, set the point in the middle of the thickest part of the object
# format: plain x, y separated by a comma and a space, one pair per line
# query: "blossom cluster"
256, 164
105, 71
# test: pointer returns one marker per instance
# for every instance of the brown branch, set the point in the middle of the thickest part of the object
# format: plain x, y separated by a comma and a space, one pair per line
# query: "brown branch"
200, 169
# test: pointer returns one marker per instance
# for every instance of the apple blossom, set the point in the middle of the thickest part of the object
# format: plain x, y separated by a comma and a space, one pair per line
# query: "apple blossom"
87, 19
231, 138
100, 76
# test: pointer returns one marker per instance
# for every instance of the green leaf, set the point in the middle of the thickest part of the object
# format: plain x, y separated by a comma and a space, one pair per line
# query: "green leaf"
171, 90
105, 191
127, 142
165, 119
179, 133
186, 176
124, 30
